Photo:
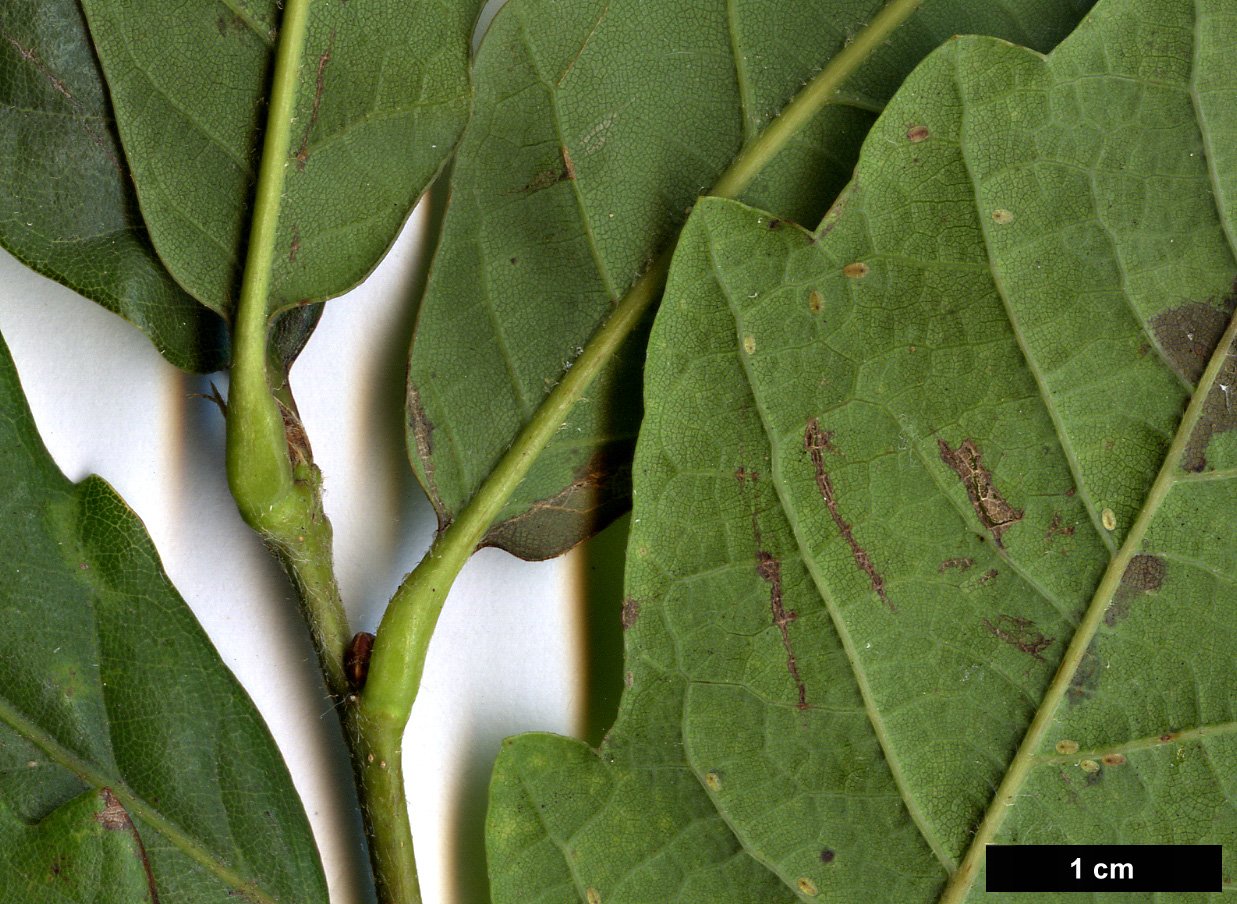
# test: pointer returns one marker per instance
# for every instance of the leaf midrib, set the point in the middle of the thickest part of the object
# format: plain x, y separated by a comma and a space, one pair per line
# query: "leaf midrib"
133, 804
1166, 479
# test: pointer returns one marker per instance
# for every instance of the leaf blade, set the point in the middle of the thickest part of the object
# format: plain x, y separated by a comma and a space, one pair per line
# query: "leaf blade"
616, 160
886, 466
109, 682
377, 115
60, 138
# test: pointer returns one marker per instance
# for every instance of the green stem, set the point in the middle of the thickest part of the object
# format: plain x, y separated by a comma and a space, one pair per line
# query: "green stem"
259, 470
960, 883
404, 635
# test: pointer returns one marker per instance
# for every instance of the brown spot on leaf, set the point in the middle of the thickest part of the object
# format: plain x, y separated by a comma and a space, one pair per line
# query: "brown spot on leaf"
827, 855
857, 270
817, 442
774, 224
988, 576
1055, 528
631, 611
1020, 633
1082, 683
296, 244
423, 442
743, 475
1219, 415
1144, 573
815, 302
1187, 336
1113, 759
917, 133
569, 169
356, 659
1001, 216
990, 507
962, 564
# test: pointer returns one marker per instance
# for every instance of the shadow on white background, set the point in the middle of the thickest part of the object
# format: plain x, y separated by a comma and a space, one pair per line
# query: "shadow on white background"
506, 656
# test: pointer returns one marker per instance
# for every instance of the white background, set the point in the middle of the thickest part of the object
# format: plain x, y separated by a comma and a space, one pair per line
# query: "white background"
506, 656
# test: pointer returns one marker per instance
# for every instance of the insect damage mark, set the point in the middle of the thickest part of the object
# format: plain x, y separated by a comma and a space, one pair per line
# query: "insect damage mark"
817, 442
631, 611
993, 511
80, 116
1020, 633
770, 569
302, 153
962, 564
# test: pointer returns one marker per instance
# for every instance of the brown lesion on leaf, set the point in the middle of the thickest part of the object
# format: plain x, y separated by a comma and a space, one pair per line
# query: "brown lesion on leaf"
302, 153
114, 818
423, 443
296, 244
1144, 574
550, 176
1057, 527
990, 507
1187, 335
1020, 633
631, 611
770, 570
817, 442
1219, 415
1085, 678
962, 564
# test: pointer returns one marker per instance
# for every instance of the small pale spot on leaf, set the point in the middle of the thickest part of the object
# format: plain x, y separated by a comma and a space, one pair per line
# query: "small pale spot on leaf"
815, 302
1067, 747
1109, 519
917, 133
1089, 766
749, 344
593, 897
1113, 759
713, 780
1001, 216
807, 886
857, 270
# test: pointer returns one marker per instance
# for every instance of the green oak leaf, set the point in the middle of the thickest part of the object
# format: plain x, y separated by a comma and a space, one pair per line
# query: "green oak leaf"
931, 544
383, 95
594, 128
72, 214
116, 709
86, 850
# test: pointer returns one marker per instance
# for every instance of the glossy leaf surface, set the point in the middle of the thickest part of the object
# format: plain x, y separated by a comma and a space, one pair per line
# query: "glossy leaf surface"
595, 127
71, 212
934, 501
383, 96
116, 713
